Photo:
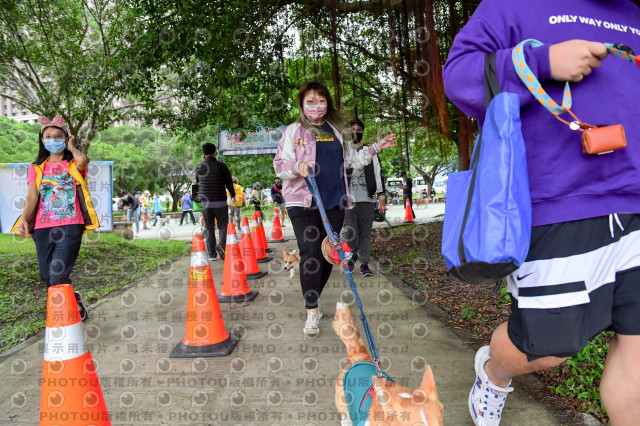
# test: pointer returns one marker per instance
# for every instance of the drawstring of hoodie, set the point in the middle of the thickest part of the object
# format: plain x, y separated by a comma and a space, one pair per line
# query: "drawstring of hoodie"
617, 219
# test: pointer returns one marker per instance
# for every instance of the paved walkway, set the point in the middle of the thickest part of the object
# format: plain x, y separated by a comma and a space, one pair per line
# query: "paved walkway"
173, 230
275, 376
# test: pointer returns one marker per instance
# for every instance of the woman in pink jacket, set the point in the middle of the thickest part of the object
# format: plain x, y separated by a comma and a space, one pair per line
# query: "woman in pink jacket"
315, 140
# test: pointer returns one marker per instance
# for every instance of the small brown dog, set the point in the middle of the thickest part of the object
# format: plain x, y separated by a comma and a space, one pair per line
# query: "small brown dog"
291, 261
391, 403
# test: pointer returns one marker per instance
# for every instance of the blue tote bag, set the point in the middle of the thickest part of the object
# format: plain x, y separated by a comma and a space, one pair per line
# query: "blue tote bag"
487, 219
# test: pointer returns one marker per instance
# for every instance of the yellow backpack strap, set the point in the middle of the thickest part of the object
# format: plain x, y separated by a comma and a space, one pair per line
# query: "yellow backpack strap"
73, 171
38, 168
86, 196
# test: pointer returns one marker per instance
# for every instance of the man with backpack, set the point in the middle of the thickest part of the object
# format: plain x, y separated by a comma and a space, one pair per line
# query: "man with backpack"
212, 177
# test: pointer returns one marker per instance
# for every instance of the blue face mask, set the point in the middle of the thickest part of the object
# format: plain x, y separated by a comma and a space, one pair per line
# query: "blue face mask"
55, 146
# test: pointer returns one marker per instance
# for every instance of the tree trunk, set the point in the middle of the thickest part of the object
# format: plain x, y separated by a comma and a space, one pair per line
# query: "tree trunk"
465, 141
335, 70
86, 137
174, 196
436, 94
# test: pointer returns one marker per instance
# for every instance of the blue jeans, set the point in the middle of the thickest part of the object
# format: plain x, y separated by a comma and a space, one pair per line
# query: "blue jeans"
57, 249
236, 216
135, 214
158, 215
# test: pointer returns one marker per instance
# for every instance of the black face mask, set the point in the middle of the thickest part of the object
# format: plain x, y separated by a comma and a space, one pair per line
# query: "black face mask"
358, 138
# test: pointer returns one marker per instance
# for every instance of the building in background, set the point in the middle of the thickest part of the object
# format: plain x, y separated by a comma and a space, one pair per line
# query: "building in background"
10, 109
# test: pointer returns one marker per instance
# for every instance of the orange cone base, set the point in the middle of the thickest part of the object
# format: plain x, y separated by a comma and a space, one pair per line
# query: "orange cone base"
409, 221
223, 348
264, 259
256, 275
268, 250
284, 240
240, 298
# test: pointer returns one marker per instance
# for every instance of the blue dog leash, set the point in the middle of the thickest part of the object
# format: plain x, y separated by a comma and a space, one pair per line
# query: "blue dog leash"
335, 242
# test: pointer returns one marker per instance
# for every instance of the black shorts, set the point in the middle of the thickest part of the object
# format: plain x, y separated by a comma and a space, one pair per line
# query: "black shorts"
579, 278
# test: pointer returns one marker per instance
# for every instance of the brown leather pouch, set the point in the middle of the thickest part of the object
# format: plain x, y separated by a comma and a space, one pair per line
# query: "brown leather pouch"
603, 140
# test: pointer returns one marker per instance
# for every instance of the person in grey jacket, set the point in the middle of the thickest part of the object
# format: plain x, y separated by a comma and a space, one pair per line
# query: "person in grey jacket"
366, 191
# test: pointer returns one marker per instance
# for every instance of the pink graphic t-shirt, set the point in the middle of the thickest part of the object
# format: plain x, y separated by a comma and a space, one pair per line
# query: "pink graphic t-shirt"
58, 199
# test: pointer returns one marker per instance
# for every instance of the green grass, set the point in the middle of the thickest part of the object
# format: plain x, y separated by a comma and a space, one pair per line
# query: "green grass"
585, 372
409, 256
106, 263
266, 210
467, 312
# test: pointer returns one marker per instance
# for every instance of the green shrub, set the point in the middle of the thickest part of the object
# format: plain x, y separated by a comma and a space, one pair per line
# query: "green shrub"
585, 370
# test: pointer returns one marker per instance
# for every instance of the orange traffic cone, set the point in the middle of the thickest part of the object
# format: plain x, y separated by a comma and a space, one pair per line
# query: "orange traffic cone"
408, 214
248, 253
263, 235
261, 256
205, 334
276, 229
235, 288
71, 393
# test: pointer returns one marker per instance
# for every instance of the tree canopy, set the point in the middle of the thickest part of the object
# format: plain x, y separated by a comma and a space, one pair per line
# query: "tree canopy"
72, 58
240, 63
236, 64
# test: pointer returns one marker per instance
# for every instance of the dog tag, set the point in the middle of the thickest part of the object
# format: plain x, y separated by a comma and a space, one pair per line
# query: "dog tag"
574, 125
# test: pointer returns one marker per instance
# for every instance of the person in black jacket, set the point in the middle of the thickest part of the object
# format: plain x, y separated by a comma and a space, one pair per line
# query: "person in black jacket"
131, 206
407, 190
213, 177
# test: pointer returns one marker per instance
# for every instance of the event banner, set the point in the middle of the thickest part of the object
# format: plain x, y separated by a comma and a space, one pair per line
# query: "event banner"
263, 141
13, 192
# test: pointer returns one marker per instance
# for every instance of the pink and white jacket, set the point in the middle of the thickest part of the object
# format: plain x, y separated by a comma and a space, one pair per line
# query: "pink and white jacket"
299, 144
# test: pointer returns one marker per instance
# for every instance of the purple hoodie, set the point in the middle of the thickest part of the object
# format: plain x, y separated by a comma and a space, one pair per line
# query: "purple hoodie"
565, 184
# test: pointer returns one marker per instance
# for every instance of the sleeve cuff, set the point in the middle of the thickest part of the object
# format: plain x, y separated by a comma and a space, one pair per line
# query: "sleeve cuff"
539, 61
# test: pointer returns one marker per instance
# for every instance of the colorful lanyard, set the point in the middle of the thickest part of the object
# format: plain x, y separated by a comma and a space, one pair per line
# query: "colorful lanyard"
534, 86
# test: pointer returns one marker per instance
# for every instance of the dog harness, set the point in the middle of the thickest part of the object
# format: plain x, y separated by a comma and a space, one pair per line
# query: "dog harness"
359, 391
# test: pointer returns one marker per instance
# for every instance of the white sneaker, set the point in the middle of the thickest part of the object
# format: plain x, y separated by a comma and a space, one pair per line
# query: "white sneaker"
345, 421
311, 324
486, 400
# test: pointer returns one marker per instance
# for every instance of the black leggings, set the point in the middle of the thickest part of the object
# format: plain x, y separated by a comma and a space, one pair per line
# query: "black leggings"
309, 230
